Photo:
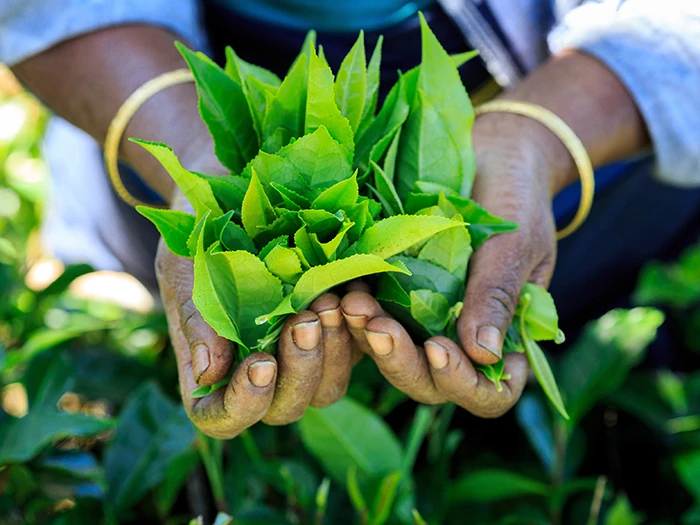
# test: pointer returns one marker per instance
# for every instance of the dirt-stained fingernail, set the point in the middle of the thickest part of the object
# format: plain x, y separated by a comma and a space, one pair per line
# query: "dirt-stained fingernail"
306, 335
200, 360
355, 321
261, 373
489, 337
331, 318
382, 344
437, 355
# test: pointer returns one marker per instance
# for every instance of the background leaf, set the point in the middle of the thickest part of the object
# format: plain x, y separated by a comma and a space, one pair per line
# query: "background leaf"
346, 435
152, 432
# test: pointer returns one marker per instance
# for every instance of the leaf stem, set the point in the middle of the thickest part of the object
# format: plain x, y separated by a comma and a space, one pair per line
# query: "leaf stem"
211, 451
597, 501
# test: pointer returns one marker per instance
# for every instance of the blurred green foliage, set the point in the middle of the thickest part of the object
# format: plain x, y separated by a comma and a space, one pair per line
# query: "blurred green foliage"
92, 429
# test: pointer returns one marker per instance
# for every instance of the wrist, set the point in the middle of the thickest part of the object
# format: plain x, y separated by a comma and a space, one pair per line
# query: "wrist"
528, 142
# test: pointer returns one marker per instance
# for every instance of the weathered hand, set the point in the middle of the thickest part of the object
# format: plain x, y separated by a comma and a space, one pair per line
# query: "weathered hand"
513, 181
312, 366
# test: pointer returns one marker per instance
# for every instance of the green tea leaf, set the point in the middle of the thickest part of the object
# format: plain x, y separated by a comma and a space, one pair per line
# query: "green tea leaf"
430, 309
382, 129
539, 363
174, 226
541, 318
372, 90
494, 373
253, 89
203, 229
459, 59
224, 108
321, 222
389, 289
284, 264
360, 215
321, 109
426, 275
386, 191
492, 485
390, 159
241, 68
426, 152
287, 109
244, 289
482, 224
257, 212
233, 238
205, 390
327, 251
451, 250
395, 234
206, 299
305, 245
347, 435
439, 80
197, 190
228, 190
351, 84
279, 241
258, 95
273, 169
320, 279
339, 196
319, 159
290, 198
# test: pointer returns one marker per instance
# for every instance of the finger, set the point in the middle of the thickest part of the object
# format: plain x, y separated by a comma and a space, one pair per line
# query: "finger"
358, 308
498, 274
248, 396
227, 412
357, 286
300, 358
459, 381
212, 355
337, 351
402, 363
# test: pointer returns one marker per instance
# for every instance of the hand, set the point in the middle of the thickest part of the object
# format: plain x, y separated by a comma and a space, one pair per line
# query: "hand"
312, 367
514, 181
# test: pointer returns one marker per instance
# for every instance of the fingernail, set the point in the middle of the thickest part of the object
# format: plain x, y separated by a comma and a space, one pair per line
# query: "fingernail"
437, 355
355, 321
331, 318
200, 360
261, 373
306, 335
382, 344
489, 337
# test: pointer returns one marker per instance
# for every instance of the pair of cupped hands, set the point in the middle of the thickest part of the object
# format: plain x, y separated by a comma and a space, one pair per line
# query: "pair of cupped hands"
319, 347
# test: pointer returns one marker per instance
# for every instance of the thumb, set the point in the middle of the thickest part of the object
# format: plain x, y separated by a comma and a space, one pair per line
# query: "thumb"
499, 270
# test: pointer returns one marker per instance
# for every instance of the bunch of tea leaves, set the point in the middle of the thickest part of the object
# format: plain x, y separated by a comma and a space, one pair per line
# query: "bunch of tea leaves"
325, 189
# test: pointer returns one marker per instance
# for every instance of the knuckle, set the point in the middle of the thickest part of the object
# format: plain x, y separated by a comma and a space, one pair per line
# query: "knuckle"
284, 418
503, 297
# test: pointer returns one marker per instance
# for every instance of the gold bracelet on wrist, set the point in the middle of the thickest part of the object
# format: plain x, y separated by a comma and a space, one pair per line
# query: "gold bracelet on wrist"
127, 110
572, 143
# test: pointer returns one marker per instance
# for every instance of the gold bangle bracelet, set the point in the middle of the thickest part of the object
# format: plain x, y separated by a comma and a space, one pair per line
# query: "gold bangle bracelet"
127, 110
572, 143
